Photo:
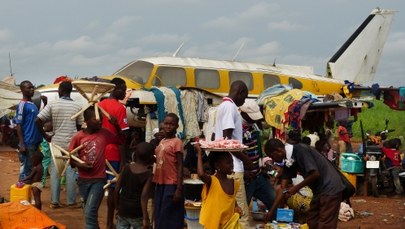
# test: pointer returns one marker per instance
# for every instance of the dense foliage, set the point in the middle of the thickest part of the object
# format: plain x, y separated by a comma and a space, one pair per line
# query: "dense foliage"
374, 121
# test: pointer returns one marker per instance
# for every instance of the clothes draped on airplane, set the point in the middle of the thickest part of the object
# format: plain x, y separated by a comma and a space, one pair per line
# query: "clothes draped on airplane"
276, 106
209, 126
173, 105
375, 90
402, 94
168, 101
203, 107
305, 106
160, 100
297, 110
150, 125
402, 97
189, 101
292, 117
272, 91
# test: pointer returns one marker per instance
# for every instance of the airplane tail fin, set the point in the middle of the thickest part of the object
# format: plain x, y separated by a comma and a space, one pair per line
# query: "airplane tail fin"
357, 60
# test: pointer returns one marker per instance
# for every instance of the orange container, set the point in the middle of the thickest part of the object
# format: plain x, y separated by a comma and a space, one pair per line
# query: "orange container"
17, 194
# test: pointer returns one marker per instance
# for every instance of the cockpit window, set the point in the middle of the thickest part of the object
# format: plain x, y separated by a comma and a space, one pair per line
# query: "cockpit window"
139, 71
170, 76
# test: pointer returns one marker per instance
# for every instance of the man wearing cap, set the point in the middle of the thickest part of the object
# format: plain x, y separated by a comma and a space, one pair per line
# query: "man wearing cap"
256, 182
228, 124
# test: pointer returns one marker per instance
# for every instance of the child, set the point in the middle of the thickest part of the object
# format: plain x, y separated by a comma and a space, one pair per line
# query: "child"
324, 148
46, 151
132, 189
217, 191
168, 177
35, 178
92, 175
158, 135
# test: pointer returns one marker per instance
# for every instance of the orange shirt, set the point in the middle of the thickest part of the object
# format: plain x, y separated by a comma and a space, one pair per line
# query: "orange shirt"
343, 134
166, 161
116, 109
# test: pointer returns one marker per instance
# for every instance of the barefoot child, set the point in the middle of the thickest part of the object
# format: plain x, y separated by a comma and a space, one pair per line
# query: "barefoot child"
92, 175
46, 151
35, 178
218, 190
133, 187
168, 176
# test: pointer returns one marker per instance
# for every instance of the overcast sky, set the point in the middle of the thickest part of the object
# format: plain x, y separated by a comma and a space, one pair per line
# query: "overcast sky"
48, 38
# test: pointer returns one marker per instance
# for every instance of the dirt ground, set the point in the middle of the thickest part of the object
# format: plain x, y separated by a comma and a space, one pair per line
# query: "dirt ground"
370, 212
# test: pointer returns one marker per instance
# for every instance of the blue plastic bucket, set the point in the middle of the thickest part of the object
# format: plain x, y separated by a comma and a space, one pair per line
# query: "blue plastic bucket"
351, 163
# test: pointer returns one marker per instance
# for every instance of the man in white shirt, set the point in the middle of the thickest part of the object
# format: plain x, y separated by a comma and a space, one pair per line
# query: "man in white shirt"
228, 124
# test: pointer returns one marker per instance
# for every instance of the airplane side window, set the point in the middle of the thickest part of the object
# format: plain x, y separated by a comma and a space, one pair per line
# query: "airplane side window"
170, 76
244, 76
206, 78
295, 83
270, 80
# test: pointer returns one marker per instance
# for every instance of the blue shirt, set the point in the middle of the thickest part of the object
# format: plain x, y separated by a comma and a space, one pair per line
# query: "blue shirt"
25, 116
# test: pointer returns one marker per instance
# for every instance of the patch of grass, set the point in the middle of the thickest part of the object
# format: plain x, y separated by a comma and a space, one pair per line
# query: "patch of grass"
374, 120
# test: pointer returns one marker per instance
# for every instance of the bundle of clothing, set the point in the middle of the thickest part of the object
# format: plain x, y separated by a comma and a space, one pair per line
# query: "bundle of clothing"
346, 212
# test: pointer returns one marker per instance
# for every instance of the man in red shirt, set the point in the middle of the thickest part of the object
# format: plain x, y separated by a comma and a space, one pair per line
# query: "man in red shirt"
114, 153
344, 138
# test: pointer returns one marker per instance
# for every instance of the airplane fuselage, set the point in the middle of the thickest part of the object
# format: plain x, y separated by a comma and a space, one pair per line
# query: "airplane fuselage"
216, 76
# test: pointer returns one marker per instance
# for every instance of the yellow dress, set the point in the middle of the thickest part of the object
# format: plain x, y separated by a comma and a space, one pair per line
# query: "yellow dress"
217, 207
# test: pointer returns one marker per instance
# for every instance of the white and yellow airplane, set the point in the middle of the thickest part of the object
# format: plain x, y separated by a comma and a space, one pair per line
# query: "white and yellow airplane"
356, 61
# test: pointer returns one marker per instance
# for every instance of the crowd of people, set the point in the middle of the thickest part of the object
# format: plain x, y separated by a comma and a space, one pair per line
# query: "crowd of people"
149, 186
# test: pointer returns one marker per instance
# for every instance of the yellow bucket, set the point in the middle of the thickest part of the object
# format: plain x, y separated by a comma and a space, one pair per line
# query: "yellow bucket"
17, 194
352, 178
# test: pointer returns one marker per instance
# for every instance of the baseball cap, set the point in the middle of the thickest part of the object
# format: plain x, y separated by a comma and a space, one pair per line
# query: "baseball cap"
251, 108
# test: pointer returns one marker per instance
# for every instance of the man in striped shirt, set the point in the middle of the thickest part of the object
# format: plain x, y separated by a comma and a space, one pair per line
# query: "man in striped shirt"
60, 113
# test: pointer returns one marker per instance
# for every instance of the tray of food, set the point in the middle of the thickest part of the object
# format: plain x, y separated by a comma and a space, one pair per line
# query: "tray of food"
223, 149
230, 145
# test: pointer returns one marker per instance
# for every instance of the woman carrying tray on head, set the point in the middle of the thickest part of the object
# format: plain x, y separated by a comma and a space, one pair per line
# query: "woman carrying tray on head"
218, 190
